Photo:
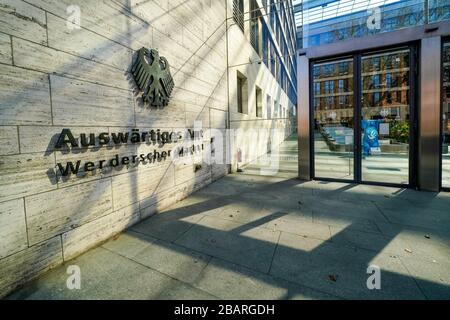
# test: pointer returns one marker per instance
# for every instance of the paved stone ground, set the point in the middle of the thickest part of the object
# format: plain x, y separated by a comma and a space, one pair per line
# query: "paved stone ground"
281, 162
254, 237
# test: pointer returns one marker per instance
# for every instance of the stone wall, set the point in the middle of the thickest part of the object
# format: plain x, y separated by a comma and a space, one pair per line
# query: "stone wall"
53, 76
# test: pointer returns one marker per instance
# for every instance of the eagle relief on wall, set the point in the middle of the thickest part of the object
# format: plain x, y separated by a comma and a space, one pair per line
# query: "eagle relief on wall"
152, 75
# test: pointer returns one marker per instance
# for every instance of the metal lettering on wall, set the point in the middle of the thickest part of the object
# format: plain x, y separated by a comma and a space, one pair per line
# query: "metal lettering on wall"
152, 75
191, 144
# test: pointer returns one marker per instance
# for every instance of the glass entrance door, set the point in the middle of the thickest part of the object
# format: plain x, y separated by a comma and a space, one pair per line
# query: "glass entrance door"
333, 121
385, 117
362, 124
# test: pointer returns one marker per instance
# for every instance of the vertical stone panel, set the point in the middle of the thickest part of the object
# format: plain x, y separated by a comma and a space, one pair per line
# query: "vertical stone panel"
13, 232
195, 172
27, 264
171, 116
70, 208
5, 49
88, 235
26, 174
218, 119
159, 18
41, 58
25, 97
110, 19
195, 114
87, 44
23, 20
9, 140
141, 184
81, 103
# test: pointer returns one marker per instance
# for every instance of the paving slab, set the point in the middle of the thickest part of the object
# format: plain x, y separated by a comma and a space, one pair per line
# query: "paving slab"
105, 275
166, 227
253, 248
300, 225
365, 240
340, 271
419, 243
337, 208
167, 258
419, 217
230, 281
433, 278
359, 224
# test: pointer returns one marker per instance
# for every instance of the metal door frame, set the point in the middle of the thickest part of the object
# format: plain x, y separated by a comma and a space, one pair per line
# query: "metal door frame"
441, 156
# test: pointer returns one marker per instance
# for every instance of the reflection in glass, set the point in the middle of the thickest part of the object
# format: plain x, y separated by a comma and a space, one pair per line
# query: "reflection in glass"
328, 21
385, 114
333, 119
438, 10
446, 117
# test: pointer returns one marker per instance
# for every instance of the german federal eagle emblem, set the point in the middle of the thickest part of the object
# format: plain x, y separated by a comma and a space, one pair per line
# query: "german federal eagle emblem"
152, 75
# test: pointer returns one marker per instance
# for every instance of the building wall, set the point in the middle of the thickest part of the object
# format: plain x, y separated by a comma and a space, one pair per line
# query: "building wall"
53, 77
252, 136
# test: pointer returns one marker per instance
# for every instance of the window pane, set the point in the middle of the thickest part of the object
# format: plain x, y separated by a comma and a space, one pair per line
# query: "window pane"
385, 114
333, 119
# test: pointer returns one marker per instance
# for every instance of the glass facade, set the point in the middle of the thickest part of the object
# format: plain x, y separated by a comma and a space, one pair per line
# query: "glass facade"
327, 21
278, 42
